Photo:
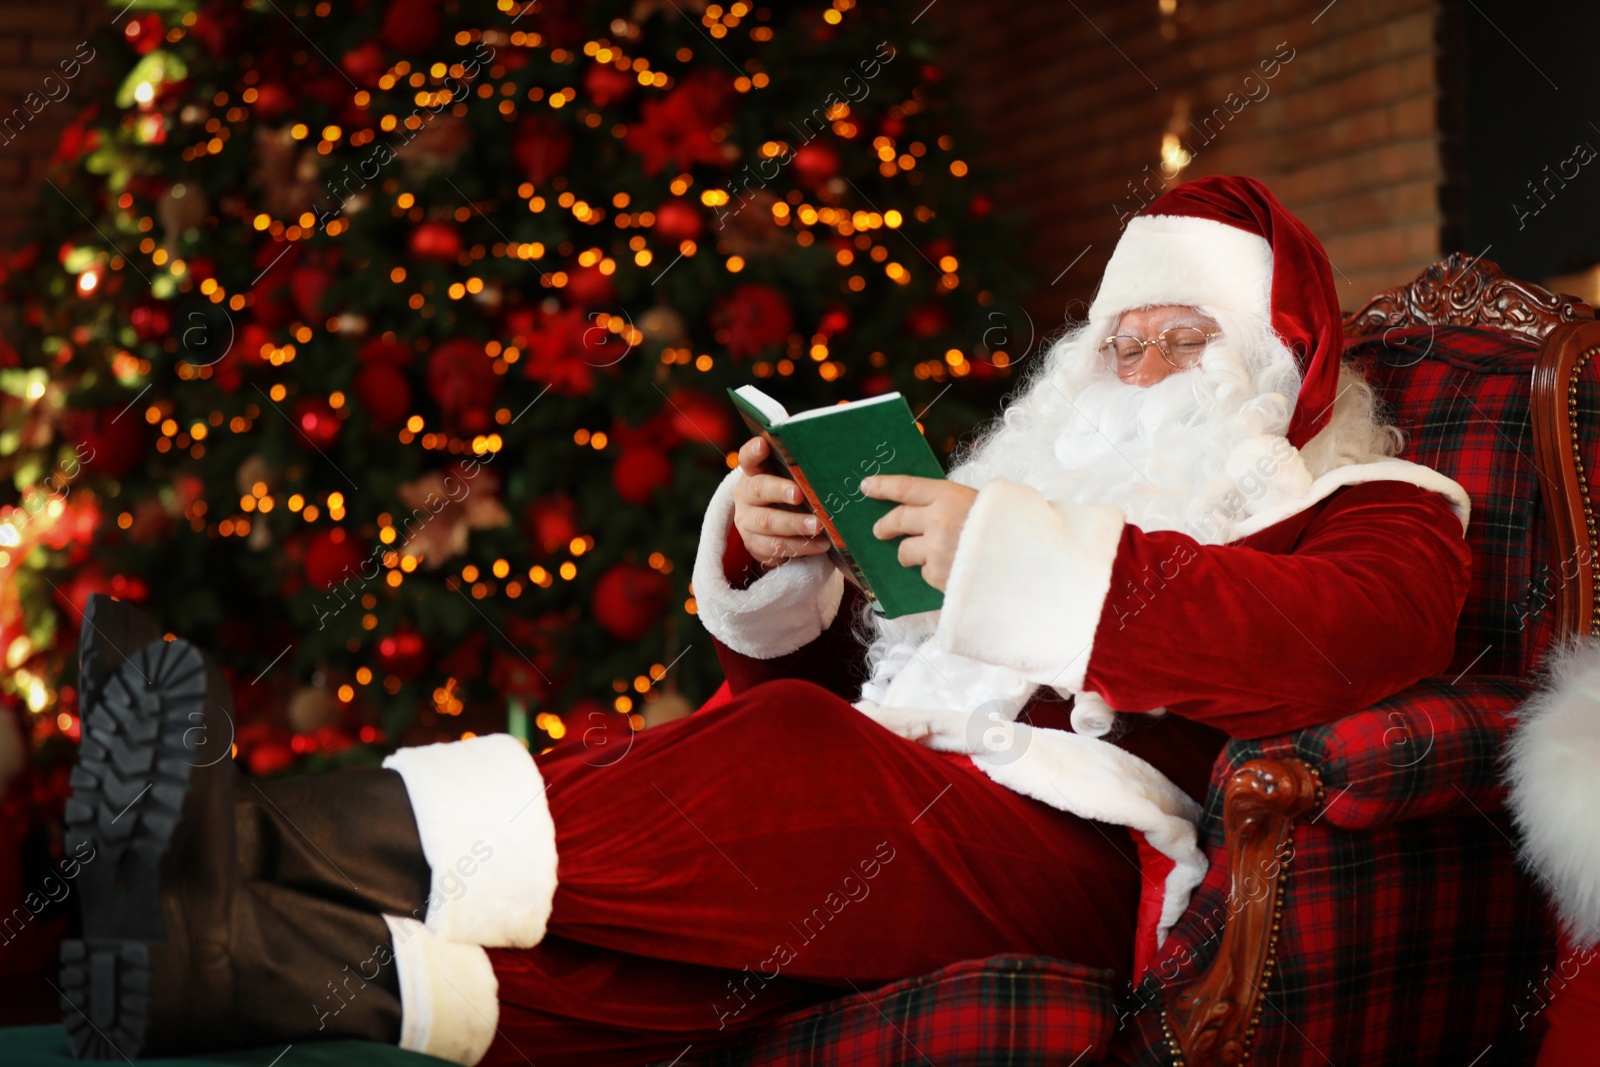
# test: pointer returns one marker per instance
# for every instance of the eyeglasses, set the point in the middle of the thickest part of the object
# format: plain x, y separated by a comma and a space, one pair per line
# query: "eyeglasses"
1180, 346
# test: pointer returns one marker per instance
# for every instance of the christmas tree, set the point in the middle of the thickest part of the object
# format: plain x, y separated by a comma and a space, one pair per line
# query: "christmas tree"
382, 349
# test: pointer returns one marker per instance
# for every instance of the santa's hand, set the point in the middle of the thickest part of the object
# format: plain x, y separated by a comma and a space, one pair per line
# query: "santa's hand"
930, 516
770, 513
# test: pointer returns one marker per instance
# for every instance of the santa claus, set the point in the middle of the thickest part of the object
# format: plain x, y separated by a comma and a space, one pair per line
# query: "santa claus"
1186, 525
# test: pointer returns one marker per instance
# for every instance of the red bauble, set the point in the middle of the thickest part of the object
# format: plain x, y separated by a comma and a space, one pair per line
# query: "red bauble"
751, 319
816, 163
145, 33
273, 101
629, 599
438, 241
384, 392
385, 349
411, 25
835, 321
980, 206
462, 380
403, 653
110, 441
639, 472
678, 221
269, 757
307, 287
694, 416
893, 126
150, 320
316, 418
551, 522
606, 85
588, 285
541, 148
927, 320
332, 556
274, 306
252, 344
878, 384
365, 64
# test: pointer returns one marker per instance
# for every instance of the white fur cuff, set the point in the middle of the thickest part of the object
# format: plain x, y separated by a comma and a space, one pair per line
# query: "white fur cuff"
1554, 778
1028, 582
449, 997
487, 835
781, 611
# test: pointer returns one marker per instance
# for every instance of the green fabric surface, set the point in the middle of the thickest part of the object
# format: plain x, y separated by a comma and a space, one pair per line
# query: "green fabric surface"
46, 1046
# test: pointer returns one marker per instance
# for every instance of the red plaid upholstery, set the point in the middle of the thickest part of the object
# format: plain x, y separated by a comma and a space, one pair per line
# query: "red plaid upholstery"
1461, 397
1408, 934
1405, 941
1024, 1011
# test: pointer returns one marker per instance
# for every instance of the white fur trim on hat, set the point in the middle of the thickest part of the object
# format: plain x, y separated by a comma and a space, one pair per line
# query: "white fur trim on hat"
487, 835
1027, 583
784, 609
449, 996
1554, 777
1177, 260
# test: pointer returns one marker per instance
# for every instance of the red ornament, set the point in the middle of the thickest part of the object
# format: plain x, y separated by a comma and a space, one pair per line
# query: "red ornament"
893, 126
551, 522
565, 347
150, 320
384, 392
111, 441
463, 383
145, 33
529, 668
411, 25
677, 221
589, 285
816, 163
274, 307
403, 653
835, 321
677, 128
927, 320
878, 384
980, 206
629, 599
316, 418
606, 85
541, 148
268, 757
273, 101
694, 416
365, 64
938, 248
639, 472
308, 286
438, 241
751, 319
332, 556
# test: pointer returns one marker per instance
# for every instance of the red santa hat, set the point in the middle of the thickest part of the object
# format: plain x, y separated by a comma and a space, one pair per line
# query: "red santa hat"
1226, 242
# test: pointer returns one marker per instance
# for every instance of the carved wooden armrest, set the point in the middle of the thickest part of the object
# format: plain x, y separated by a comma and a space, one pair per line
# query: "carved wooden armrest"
1213, 1021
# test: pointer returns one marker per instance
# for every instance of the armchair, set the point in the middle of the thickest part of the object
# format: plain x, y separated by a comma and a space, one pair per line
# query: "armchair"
1363, 902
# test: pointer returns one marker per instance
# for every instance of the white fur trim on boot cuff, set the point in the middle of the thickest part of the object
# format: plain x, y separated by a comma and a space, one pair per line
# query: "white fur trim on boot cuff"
1554, 776
783, 610
449, 997
486, 833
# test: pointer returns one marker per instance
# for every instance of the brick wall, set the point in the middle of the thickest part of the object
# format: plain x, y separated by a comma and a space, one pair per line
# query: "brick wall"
35, 37
1075, 98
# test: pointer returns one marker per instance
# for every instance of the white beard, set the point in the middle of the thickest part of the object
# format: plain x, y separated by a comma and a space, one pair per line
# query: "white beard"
1197, 452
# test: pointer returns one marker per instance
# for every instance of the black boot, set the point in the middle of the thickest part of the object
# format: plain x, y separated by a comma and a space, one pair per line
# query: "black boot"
112, 631
180, 952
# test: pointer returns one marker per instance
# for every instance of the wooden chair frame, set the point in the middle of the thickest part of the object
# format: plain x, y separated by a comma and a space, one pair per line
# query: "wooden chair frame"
1213, 1022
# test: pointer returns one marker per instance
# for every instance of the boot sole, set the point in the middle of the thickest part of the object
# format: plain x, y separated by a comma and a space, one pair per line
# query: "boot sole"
112, 631
135, 763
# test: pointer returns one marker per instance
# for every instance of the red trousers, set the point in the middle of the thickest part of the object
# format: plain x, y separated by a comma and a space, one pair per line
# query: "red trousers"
778, 850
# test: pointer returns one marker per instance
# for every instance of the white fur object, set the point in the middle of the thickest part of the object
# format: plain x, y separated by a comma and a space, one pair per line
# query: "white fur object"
1027, 583
487, 835
449, 996
1083, 775
1384, 470
1163, 260
784, 609
1554, 777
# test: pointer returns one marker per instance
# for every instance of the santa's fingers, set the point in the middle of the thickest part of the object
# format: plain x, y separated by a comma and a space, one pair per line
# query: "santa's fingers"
775, 522
900, 521
924, 553
778, 549
767, 489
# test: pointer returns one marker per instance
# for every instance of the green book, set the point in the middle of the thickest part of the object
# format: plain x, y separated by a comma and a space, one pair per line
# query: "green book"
827, 451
